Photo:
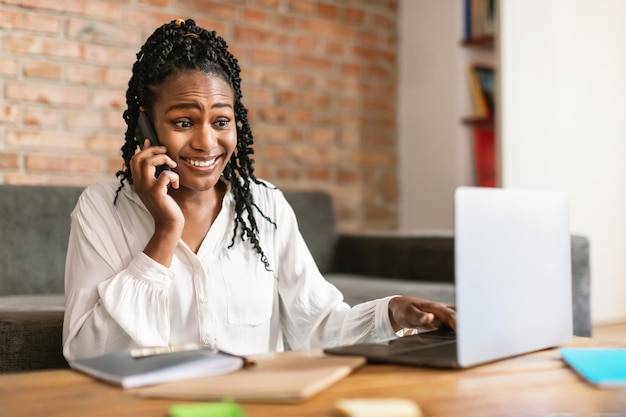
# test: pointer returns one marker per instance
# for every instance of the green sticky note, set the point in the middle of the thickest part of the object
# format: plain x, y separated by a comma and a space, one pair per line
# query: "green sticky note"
221, 409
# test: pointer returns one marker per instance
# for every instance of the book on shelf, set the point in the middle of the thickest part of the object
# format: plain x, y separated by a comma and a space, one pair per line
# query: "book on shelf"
481, 83
485, 157
126, 369
479, 19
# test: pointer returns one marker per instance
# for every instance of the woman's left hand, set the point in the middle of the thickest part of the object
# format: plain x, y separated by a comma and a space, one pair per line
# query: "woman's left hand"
416, 313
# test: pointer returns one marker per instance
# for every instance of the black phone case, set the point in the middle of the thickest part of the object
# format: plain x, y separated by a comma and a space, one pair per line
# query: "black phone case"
145, 131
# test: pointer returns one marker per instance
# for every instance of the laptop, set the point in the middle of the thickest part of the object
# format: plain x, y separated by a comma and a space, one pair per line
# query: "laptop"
513, 290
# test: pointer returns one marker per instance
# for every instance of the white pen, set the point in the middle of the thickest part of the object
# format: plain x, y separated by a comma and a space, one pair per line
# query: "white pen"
159, 350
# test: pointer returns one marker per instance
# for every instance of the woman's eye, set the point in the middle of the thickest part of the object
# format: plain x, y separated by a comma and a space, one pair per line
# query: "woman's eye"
184, 124
222, 123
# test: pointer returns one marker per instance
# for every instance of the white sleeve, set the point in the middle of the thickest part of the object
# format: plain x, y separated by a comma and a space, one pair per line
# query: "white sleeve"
114, 298
312, 309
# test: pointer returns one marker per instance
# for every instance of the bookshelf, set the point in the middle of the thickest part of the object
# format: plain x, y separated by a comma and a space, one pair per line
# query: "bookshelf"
479, 38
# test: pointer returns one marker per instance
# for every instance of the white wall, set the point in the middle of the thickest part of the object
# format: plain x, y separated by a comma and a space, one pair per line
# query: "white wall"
562, 123
434, 149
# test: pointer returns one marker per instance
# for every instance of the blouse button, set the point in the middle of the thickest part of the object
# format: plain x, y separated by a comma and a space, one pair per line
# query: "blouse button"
206, 340
203, 300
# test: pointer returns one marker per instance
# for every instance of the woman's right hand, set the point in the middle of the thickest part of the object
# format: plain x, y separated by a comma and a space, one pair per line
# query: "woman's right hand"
153, 191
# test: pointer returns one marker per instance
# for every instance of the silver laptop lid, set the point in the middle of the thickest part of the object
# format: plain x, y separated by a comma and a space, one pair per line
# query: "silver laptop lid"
512, 271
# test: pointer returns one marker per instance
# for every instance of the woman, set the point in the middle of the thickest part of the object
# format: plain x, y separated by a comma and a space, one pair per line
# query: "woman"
190, 246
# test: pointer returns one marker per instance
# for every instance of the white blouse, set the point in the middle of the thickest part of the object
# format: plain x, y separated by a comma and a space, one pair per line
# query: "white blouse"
117, 297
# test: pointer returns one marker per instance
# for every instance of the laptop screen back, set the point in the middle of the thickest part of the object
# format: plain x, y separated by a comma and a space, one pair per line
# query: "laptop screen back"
512, 272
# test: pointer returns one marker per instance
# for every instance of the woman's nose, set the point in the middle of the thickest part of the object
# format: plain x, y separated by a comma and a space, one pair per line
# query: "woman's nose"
206, 138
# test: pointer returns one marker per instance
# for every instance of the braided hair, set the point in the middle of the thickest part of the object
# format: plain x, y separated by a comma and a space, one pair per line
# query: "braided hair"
181, 46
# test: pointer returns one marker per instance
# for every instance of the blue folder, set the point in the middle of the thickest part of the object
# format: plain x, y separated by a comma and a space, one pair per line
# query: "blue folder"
603, 367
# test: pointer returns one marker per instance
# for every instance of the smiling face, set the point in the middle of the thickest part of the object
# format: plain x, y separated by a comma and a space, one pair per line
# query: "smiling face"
193, 115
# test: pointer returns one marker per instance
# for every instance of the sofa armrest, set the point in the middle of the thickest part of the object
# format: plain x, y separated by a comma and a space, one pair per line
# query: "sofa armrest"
410, 257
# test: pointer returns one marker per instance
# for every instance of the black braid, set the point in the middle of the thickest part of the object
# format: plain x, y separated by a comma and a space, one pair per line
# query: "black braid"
181, 46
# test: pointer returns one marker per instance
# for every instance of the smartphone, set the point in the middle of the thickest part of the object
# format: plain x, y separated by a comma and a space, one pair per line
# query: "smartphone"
145, 131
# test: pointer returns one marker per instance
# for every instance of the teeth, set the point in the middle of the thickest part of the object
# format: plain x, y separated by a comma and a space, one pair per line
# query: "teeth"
201, 163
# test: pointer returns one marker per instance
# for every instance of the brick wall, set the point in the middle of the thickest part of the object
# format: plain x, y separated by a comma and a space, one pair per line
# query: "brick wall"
319, 80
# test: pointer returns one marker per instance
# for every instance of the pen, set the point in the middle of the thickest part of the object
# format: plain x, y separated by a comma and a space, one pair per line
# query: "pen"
160, 350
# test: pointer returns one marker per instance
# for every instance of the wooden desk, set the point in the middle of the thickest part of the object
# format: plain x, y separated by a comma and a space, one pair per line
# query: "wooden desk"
537, 384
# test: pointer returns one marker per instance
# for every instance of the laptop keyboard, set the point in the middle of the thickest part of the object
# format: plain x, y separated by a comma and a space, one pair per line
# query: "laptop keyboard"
422, 341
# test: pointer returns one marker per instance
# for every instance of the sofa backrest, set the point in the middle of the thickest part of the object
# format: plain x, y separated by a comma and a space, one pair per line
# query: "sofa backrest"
316, 221
34, 229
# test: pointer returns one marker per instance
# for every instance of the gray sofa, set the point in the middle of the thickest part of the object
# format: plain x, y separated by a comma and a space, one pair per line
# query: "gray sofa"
34, 227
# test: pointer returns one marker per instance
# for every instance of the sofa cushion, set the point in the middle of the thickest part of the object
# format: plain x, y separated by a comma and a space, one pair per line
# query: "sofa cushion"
31, 330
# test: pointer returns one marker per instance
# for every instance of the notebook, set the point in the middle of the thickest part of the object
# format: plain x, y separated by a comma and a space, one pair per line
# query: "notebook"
285, 377
512, 283
602, 367
124, 369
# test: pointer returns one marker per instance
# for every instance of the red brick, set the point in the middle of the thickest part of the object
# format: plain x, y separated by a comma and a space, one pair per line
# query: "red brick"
254, 16
62, 48
84, 74
327, 10
372, 158
287, 22
159, 3
308, 62
84, 120
271, 4
292, 98
318, 174
9, 66
38, 22
215, 8
264, 56
46, 69
322, 136
114, 165
338, 30
59, 163
9, 160
104, 33
300, 116
245, 34
306, 42
304, 81
373, 54
288, 173
301, 6
259, 95
354, 15
109, 99
108, 55
10, 19
272, 114
48, 94
9, 113
42, 116
377, 140
335, 48
347, 175
18, 178
115, 121
275, 153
